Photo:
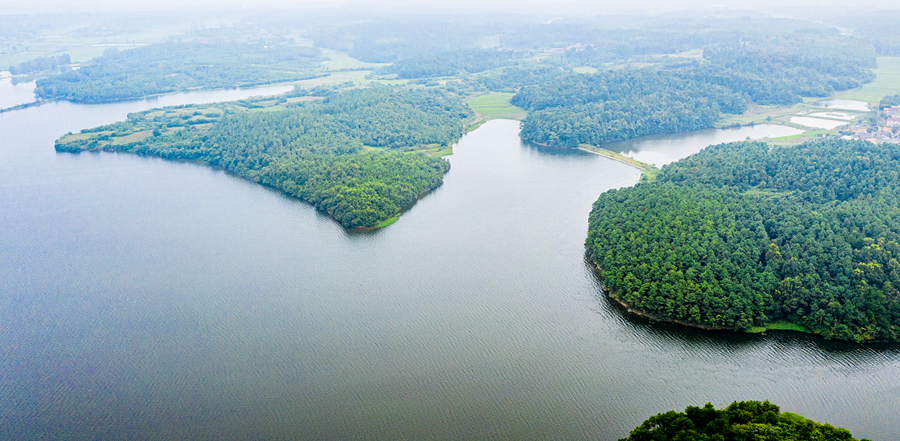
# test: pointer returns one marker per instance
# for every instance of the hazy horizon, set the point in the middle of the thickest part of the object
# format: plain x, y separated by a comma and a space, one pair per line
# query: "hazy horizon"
799, 9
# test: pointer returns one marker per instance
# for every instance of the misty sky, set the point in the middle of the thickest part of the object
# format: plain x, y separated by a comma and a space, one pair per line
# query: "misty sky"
567, 7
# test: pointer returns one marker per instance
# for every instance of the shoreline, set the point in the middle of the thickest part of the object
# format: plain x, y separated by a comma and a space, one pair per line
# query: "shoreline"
444, 152
756, 330
647, 171
644, 167
26, 105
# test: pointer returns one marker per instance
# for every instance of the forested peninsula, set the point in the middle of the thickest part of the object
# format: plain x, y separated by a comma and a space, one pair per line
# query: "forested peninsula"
360, 155
746, 235
740, 421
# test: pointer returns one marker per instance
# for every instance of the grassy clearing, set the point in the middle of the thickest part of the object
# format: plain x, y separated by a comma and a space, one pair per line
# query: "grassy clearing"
388, 221
79, 137
586, 70
802, 137
496, 106
134, 137
340, 61
887, 82
781, 325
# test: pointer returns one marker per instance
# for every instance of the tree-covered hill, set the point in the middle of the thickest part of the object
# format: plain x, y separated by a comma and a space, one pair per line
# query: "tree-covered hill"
684, 95
449, 63
740, 421
745, 235
591, 109
356, 155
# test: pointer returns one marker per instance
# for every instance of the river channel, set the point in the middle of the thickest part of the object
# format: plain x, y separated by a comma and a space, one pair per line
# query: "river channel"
147, 299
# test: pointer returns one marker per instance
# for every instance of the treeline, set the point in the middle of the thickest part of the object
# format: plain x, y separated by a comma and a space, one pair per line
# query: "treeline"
889, 101
803, 67
40, 64
351, 154
449, 63
614, 105
610, 45
387, 40
740, 421
591, 109
178, 66
877, 28
743, 235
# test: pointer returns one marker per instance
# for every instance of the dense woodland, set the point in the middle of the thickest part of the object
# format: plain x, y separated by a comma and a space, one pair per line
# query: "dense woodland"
575, 109
40, 64
889, 101
592, 109
764, 60
740, 421
449, 63
745, 234
352, 154
179, 66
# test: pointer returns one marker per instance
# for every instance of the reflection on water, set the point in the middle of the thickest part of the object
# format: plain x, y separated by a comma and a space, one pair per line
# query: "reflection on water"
14, 94
660, 150
861, 106
146, 299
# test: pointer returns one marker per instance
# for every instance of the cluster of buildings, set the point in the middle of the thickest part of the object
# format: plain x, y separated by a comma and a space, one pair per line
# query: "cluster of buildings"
893, 116
888, 129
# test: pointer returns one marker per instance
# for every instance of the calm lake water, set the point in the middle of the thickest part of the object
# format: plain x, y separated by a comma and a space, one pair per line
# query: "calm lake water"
860, 106
14, 94
145, 299
660, 150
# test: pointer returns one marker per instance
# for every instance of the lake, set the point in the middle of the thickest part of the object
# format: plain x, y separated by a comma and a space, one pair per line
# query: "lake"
146, 299
860, 106
14, 94
660, 150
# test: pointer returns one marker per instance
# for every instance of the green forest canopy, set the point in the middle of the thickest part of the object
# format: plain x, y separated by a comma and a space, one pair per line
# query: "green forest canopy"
740, 421
179, 66
574, 109
356, 155
746, 234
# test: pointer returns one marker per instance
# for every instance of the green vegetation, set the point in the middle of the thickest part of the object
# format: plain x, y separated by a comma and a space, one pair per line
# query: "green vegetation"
592, 109
740, 421
496, 106
449, 63
340, 61
40, 64
887, 82
358, 155
780, 325
746, 235
677, 95
179, 66
889, 101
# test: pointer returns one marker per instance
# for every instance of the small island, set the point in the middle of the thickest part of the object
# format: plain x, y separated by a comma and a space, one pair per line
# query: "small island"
360, 155
750, 236
740, 421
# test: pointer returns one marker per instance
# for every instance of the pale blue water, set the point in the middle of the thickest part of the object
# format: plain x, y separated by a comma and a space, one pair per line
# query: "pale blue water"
660, 150
145, 299
14, 94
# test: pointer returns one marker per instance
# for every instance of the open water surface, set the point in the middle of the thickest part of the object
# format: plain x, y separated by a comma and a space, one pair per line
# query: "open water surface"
660, 150
12, 95
860, 106
146, 299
